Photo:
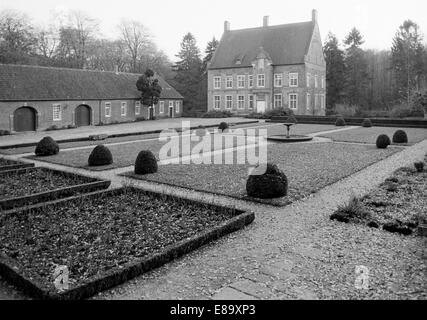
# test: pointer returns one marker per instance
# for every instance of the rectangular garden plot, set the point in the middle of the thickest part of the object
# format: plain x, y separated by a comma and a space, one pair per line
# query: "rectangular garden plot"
308, 166
28, 186
6, 165
105, 238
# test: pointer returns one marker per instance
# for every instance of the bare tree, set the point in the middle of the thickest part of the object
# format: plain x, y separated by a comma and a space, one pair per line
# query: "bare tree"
137, 38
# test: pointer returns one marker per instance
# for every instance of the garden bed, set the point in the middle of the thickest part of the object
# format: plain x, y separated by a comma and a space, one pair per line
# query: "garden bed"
397, 205
105, 238
34, 185
369, 135
308, 166
6, 165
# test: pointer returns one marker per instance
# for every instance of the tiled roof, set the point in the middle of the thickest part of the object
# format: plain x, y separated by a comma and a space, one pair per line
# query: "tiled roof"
285, 44
26, 83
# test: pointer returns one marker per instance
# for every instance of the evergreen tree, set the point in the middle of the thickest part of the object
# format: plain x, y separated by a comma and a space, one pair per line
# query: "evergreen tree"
335, 68
356, 74
149, 87
189, 73
407, 61
209, 51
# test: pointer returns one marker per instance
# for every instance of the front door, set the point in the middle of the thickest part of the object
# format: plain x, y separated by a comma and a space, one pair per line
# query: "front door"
82, 115
170, 112
150, 113
24, 119
260, 106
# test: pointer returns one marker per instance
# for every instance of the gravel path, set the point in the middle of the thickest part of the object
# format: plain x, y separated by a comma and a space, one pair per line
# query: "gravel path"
294, 252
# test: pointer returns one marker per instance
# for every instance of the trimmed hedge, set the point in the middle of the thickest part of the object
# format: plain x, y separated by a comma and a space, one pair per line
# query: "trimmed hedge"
46, 147
400, 137
366, 123
340, 122
145, 163
273, 183
383, 141
100, 156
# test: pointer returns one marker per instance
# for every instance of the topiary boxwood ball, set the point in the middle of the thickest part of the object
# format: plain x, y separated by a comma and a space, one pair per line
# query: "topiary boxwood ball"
46, 147
273, 183
145, 163
100, 156
383, 141
400, 137
340, 122
223, 126
366, 123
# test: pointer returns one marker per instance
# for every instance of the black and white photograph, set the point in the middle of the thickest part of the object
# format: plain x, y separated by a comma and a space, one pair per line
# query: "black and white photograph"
213, 155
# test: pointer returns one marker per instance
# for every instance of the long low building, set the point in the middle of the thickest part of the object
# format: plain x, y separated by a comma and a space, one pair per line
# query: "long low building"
36, 98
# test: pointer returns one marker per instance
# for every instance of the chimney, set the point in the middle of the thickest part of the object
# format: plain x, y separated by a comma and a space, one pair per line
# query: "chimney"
226, 26
265, 21
314, 15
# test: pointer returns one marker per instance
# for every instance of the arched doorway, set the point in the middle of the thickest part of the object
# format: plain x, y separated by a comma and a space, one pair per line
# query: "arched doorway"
24, 119
82, 115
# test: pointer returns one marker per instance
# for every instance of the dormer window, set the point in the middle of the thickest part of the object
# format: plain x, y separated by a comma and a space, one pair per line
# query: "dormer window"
261, 64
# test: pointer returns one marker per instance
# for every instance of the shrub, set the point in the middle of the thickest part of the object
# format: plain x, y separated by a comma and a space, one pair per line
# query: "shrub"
279, 112
140, 119
223, 126
291, 119
4, 132
217, 114
352, 211
366, 123
397, 227
419, 166
52, 128
273, 183
46, 147
256, 115
340, 122
100, 156
145, 163
400, 137
383, 141
345, 110
71, 126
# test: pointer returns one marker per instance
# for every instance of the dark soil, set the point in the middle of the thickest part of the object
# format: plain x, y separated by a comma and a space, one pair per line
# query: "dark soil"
18, 184
94, 235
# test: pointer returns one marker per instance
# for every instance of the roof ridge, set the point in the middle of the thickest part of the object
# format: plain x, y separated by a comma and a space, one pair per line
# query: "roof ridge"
70, 69
272, 27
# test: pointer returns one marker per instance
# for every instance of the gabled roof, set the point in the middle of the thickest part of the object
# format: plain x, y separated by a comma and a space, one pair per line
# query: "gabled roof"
286, 44
26, 83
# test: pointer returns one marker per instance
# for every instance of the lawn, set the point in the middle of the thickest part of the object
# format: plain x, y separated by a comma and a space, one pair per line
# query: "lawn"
308, 166
369, 135
103, 234
272, 129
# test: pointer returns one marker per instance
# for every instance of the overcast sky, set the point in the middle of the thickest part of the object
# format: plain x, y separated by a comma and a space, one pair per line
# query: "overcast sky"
169, 20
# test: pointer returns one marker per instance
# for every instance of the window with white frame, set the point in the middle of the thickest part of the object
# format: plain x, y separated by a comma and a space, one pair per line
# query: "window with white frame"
170, 104
229, 82
293, 101
162, 107
250, 81
107, 109
261, 81
241, 81
293, 79
241, 102
177, 105
229, 102
278, 100
123, 109
308, 101
308, 80
137, 108
57, 112
278, 79
323, 82
217, 82
316, 81
251, 101
217, 102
